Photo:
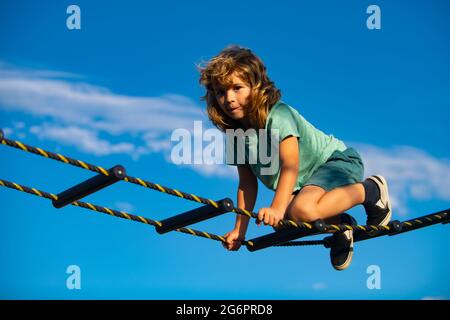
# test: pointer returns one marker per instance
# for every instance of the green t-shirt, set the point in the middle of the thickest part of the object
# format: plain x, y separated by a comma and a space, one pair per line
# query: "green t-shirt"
315, 147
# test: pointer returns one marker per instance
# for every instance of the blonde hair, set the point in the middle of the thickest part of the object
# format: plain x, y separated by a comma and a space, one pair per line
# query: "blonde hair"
251, 70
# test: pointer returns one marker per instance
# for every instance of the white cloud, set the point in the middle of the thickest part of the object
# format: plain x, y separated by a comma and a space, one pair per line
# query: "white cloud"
85, 139
10, 71
90, 117
411, 173
95, 107
157, 142
79, 112
218, 170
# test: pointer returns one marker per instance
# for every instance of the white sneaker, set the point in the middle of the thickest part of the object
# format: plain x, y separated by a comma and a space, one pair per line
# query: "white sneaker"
341, 249
380, 213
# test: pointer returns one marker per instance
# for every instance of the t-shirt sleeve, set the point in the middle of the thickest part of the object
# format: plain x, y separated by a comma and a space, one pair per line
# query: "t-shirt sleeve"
284, 121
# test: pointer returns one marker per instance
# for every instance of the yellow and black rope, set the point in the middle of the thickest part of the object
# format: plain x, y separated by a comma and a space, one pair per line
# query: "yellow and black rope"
439, 217
109, 211
138, 181
284, 223
132, 217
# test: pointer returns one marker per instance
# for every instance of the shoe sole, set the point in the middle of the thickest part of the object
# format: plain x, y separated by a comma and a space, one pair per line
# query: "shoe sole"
347, 262
384, 195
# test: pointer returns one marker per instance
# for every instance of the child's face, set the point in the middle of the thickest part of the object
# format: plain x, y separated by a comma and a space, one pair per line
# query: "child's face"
233, 100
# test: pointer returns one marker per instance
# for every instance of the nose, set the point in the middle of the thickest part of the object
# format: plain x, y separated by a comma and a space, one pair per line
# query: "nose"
230, 96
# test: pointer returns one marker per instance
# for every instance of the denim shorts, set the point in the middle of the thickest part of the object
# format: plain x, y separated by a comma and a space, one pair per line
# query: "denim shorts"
341, 168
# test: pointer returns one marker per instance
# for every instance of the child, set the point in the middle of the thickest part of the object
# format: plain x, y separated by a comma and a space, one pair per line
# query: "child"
318, 177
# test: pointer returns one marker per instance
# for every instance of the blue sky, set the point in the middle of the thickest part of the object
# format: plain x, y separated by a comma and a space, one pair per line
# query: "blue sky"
114, 91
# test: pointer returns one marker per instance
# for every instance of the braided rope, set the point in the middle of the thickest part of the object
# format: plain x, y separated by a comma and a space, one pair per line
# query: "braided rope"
115, 213
138, 181
410, 224
440, 217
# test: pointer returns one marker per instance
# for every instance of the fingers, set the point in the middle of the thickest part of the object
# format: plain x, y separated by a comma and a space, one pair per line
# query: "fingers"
260, 217
232, 242
234, 246
263, 216
266, 216
275, 222
227, 241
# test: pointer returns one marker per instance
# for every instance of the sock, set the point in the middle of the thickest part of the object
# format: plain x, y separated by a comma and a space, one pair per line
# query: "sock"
372, 192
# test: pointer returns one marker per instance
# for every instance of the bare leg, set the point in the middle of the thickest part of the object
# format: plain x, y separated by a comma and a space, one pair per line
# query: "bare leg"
314, 202
340, 199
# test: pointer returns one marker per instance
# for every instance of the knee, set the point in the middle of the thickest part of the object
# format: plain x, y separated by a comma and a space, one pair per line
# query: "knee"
305, 212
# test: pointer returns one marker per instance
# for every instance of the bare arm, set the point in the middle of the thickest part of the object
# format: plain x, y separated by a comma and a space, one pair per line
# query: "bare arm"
246, 196
289, 162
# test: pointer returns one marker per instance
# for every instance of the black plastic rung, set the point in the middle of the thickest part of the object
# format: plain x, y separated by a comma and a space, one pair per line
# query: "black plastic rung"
196, 215
416, 226
89, 186
284, 235
395, 227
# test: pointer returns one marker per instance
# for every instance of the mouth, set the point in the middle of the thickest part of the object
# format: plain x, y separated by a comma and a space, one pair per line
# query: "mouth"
232, 109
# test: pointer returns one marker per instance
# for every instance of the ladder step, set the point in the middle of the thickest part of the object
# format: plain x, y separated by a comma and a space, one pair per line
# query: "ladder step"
284, 235
395, 227
89, 186
196, 215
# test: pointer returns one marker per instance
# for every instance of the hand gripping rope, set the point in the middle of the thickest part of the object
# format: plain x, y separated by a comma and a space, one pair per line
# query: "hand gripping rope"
289, 231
